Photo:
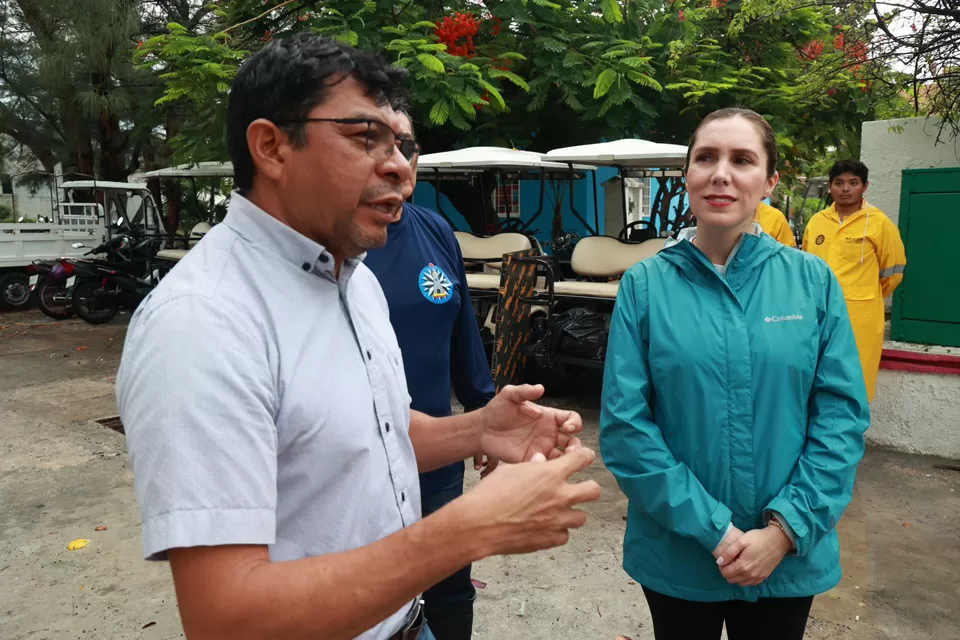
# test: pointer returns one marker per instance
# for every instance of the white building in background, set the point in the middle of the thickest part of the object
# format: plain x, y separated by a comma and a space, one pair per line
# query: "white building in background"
916, 411
888, 147
27, 200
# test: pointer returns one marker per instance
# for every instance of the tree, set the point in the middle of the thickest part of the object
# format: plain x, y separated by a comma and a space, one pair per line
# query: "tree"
67, 84
540, 74
69, 91
907, 47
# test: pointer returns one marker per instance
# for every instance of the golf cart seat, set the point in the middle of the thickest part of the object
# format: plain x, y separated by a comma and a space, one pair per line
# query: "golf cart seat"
486, 251
604, 257
171, 254
198, 231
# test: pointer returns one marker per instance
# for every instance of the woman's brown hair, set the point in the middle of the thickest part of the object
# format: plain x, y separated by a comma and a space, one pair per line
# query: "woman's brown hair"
763, 127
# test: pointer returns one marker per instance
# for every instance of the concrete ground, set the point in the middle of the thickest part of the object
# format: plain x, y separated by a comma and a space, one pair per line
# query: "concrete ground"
62, 475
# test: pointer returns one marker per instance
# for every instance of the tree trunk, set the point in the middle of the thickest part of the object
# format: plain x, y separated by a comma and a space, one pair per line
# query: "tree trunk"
113, 143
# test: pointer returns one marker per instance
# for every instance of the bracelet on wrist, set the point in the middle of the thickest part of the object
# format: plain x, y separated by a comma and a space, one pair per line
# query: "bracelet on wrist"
774, 522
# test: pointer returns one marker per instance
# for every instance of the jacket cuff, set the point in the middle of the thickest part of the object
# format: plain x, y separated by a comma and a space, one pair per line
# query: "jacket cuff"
720, 520
769, 516
790, 518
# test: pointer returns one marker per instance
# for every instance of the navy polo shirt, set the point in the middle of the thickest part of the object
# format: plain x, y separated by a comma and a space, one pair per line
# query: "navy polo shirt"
422, 275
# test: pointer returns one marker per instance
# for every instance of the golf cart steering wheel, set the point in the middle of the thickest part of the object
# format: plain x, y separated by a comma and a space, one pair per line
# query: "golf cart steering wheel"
512, 225
636, 224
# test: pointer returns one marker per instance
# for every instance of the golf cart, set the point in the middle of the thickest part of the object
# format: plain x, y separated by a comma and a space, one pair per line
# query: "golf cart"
574, 330
483, 254
191, 172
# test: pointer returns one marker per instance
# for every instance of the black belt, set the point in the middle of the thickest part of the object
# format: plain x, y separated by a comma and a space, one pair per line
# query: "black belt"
414, 624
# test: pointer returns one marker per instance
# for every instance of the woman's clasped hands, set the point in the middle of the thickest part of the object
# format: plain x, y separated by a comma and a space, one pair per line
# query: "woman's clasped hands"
747, 559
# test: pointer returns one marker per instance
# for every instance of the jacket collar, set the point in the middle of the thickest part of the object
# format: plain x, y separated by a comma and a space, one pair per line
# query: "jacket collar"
831, 213
750, 251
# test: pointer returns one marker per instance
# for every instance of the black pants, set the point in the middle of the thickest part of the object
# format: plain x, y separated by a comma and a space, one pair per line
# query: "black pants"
676, 619
449, 604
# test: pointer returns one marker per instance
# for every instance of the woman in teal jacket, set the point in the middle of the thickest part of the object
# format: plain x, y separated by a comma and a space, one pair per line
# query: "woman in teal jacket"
733, 408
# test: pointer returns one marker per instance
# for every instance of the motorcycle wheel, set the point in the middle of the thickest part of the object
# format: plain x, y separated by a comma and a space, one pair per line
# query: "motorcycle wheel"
53, 300
93, 304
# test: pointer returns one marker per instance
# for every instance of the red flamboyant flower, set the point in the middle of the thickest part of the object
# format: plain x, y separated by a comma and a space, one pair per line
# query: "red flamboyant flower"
457, 33
811, 50
680, 15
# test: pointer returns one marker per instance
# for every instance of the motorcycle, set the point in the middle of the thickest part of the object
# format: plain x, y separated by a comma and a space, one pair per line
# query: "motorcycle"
51, 284
104, 288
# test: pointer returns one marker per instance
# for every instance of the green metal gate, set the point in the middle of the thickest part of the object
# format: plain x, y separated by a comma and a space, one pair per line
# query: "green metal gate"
926, 306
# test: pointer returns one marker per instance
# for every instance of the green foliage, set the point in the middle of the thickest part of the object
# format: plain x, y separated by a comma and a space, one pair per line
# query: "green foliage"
512, 72
539, 74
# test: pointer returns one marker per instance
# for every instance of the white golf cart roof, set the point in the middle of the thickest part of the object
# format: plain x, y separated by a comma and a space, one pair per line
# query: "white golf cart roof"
194, 170
104, 184
474, 158
628, 152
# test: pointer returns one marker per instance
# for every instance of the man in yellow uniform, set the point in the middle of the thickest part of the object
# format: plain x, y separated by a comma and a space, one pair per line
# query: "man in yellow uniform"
775, 224
864, 249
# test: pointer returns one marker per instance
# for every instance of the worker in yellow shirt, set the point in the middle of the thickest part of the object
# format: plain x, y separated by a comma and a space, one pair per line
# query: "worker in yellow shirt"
775, 224
864, 249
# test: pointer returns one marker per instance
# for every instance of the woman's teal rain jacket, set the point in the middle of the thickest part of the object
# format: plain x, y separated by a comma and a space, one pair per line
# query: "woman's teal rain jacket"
726, 399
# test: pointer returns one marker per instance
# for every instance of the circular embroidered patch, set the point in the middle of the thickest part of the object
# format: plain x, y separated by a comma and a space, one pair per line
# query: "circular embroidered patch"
435, 285
820, 239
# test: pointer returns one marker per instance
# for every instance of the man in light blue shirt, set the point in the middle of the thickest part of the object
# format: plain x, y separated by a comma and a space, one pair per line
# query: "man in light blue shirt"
262, 390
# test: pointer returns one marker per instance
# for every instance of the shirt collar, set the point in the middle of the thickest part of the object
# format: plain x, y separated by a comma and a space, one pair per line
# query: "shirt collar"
260, 228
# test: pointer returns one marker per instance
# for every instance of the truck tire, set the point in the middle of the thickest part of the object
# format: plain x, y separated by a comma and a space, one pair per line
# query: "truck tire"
14, 291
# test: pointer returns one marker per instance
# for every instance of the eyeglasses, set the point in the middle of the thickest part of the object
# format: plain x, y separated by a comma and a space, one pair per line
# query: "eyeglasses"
381, 140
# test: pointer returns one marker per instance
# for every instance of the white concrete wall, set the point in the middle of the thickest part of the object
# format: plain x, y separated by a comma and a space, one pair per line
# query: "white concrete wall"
917, 413
886, 153
32, 205
29, 204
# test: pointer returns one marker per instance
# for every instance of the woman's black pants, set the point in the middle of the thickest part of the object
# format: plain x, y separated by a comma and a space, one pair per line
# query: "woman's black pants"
779, 618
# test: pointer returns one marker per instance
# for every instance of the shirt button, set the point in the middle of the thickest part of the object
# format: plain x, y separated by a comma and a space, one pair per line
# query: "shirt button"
369, 356
387, 426
324, 258
306, 266
403, 497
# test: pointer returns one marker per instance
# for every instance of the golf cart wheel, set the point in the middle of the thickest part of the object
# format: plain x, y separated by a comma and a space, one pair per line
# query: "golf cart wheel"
14, 291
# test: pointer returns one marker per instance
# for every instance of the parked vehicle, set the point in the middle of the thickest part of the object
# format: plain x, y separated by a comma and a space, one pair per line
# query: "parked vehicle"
104, 287
51, 284
86, 214
52, 281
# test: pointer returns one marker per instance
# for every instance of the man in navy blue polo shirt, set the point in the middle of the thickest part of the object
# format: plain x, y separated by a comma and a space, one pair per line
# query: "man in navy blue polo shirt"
422, 275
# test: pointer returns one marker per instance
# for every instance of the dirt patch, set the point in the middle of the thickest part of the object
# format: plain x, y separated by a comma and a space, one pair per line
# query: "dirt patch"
62, 475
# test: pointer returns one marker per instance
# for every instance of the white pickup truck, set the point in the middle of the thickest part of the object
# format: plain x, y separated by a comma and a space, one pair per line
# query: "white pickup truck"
74, 222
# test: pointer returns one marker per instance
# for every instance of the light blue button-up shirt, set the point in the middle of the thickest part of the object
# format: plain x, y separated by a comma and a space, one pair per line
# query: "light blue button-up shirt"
264, 400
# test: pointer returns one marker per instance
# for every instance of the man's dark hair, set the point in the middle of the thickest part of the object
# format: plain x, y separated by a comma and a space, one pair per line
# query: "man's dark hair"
286, 79
855, 167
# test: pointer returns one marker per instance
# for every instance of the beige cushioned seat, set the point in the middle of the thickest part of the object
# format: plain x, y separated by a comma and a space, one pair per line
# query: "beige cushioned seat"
172, 254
